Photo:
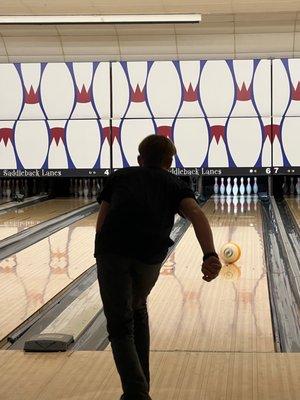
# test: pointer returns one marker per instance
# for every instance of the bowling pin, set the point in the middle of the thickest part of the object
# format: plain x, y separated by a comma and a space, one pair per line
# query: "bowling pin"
284, 186
216, 78
243, 72
86, 189
17, 189
292, 187
262, 87
8, 189
164, 127
266, 150
57, 91
277, 153
57, 156
12, 188
216, 186
235, 188
164, 101
228, 187
31, 135
11, 92
83, 74
291, 139
222, 187
138, 72
117, 158
4, 189
31, 74
80, 188
228, 201
281, 88
94, 189
217, 153
34, 187
71, 188
101, 90
75, 187
190, 74
298, 186
26, 190
242, 187
7, 152
120, 91
294, 71
248, 187
242, 201
255, 186
133, 131
277, 145
105, 158
21, 186
244, 138
197, 137
83, 142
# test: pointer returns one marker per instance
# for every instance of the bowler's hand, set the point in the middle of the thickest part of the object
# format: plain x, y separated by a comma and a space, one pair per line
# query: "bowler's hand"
211, 268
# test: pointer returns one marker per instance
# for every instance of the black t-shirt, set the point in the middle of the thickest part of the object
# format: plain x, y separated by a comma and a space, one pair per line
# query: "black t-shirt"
143, 202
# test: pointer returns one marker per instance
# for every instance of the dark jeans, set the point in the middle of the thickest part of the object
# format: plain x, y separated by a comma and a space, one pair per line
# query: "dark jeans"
124, 286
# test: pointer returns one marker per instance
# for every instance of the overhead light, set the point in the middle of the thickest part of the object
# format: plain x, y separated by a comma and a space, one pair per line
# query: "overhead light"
101, 19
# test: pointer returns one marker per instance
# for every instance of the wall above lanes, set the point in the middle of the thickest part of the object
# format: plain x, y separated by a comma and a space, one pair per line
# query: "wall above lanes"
218, 113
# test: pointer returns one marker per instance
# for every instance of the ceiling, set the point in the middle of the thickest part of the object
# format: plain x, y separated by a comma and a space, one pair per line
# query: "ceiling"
229, 29
73, 7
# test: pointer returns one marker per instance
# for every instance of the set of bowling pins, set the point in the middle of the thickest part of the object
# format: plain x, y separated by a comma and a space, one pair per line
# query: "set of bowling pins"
12, 187
291, 188
84, 187
235, 188
236, 203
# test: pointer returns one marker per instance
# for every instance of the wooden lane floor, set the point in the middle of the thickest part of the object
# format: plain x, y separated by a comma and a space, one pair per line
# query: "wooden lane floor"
175, 376
294, 206
231, 313
33, 276
4, 200
15, 221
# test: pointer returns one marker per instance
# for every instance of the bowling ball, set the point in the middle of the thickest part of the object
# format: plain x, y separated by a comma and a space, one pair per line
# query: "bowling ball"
230, 252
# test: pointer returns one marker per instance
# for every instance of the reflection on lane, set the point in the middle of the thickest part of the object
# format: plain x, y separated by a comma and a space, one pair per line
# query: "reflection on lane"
15, 221
30, 278
231, 313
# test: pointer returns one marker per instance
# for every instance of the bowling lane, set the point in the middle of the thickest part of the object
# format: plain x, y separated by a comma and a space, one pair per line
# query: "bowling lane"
30, 278
4, 201
17, 220
231, 313
294, 206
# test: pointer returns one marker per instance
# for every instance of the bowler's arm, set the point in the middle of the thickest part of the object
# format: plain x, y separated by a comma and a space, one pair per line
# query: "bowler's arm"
191, 210
104, 208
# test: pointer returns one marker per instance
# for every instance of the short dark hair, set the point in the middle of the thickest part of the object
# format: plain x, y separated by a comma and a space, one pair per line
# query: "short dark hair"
156, 151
